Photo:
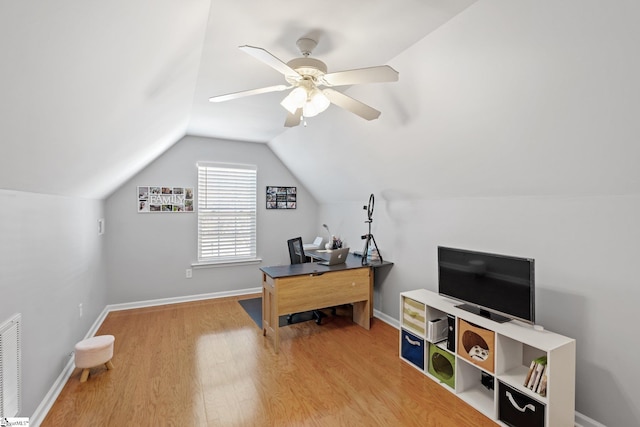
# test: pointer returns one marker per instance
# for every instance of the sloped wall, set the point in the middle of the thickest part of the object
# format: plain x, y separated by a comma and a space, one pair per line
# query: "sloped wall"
513, 130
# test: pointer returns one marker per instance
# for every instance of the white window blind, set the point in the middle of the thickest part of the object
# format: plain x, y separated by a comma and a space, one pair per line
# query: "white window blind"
226, 212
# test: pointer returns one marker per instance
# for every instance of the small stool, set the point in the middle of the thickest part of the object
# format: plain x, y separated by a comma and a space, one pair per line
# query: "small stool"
93, 352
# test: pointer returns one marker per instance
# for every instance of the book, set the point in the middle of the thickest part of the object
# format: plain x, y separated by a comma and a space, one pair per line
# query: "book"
529, 383
542, 389
539, 373
532, 368
535, 375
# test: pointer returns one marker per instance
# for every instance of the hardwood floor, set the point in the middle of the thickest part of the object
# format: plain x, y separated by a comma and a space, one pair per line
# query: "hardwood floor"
206, 363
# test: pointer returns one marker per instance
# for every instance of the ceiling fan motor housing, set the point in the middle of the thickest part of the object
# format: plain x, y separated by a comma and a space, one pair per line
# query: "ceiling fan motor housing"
306, 45
307, 67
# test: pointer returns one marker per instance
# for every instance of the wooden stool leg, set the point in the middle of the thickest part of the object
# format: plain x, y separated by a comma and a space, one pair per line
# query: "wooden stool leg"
85, 375
109, 365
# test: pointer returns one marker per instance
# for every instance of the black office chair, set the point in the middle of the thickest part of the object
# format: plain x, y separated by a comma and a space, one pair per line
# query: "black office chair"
297, 256
296, 251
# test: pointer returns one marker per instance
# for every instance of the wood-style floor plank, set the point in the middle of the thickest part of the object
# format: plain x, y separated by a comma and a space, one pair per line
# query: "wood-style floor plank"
206, 363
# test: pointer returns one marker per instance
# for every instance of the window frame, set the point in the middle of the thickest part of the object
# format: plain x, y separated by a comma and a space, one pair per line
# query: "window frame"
227, 196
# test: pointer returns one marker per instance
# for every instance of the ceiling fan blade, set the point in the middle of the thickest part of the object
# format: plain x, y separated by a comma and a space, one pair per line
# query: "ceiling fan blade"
229, 96
380, 74
266, 57
293, 119
350, 104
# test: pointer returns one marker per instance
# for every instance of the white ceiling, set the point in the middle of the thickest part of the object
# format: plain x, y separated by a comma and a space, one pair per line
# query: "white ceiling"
94, 91
350, 34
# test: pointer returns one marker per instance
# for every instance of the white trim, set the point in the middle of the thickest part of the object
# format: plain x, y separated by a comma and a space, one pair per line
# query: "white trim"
227, 165
584, 421
43, 409
214, 264
386, 319
178, 300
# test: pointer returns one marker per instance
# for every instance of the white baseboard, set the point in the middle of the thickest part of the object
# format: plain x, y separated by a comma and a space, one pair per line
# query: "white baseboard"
43, 409
386, 319
177, 300
584, 421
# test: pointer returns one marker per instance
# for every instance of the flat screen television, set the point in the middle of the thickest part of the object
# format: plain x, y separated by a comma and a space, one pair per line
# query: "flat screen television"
498, 287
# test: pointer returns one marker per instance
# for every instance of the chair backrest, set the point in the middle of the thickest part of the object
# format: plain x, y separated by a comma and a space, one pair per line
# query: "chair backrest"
296, 251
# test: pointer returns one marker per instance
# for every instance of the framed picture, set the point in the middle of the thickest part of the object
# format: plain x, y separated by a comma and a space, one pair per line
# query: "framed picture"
281, 197
165, 199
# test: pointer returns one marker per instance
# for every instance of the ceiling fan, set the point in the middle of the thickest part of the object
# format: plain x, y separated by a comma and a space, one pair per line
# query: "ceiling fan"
311, 85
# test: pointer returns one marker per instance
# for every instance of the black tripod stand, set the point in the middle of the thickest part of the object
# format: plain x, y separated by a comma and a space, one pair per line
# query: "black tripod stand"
368, 238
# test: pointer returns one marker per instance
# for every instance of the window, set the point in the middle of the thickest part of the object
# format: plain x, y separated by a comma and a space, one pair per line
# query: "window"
226, 212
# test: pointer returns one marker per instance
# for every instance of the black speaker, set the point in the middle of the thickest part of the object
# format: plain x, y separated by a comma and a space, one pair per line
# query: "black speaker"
451, 333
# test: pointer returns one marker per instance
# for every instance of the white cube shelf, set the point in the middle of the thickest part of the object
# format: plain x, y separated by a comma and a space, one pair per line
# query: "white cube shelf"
515, 344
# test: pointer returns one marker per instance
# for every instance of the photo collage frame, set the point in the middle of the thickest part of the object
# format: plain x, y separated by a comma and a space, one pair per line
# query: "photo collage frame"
165, 199
282, 197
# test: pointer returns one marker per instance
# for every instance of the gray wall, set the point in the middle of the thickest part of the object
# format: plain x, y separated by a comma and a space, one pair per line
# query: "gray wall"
149, 253
51, 260
586, 253
513, 129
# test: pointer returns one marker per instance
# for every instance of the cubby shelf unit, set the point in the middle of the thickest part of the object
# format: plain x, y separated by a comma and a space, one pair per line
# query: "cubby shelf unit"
505, 362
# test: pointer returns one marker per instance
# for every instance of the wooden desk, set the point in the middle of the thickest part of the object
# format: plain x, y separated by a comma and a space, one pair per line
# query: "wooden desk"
295, 288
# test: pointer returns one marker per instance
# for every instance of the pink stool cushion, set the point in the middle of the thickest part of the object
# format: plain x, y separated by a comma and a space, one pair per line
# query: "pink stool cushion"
94, 351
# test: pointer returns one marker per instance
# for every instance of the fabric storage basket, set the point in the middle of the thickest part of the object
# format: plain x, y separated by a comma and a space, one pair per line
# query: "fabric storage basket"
442, 365
413, 316
476, 344
413, 349
519, 410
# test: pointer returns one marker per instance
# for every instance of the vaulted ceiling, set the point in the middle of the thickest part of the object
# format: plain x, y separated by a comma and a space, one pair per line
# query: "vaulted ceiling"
94, 91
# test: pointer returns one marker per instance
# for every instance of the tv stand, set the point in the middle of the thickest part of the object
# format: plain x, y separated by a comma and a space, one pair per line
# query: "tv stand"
485, 363
484, 313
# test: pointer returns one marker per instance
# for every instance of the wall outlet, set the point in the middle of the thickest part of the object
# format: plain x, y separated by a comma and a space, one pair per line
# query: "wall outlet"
189, 273
80, 309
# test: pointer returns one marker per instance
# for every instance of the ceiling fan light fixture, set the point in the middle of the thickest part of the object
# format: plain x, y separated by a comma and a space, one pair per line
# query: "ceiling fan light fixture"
296, 99
309, 110
316, 103
319, 100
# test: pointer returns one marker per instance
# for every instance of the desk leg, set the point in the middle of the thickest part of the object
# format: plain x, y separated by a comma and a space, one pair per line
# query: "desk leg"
265, 316
371, 281
361, 315
270, 321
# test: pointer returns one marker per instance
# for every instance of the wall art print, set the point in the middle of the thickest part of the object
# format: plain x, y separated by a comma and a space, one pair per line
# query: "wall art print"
281, 197
165, 199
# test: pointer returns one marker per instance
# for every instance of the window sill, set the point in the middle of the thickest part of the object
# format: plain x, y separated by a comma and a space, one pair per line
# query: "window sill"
227, 263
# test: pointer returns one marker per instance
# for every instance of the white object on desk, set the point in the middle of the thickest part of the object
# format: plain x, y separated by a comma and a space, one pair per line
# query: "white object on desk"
311, 246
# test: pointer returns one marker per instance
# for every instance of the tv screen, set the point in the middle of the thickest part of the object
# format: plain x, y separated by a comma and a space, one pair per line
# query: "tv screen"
499, 287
